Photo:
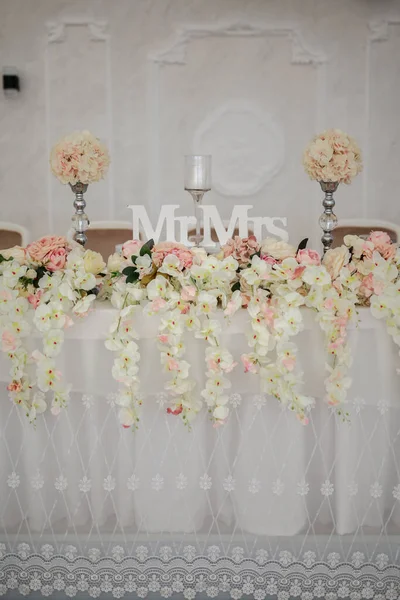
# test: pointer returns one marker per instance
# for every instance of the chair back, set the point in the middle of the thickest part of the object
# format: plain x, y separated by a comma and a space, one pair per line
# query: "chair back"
103, 237
362, 228
13, 235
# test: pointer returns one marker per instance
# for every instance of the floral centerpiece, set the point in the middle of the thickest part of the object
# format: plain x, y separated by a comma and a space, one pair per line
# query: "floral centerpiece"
332, 157
79, 159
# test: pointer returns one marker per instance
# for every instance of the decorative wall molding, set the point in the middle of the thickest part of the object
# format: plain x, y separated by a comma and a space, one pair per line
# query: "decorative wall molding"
379, 28
176, 50
231, 176
175, 53
57, 31
97, 32
379, 32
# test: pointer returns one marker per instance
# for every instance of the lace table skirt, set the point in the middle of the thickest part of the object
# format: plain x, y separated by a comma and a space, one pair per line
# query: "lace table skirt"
262, 507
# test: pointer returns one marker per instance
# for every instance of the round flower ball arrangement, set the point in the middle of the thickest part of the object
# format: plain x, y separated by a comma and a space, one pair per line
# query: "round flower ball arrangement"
54, 282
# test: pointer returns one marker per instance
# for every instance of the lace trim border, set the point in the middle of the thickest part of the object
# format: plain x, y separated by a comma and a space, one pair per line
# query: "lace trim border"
201, 575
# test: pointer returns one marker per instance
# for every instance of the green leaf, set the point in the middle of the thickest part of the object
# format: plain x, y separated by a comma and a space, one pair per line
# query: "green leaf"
2, 259
133, 258
302, 245
131, 273
40, 272
236, 286
132, 278
146, 248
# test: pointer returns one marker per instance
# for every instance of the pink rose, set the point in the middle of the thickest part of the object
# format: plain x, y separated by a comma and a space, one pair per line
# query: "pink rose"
163, 338
308, 257
131, 248
14, 386
241, 248
40, 250
34, 299
383, 244
56, 260
8, 341
163, 249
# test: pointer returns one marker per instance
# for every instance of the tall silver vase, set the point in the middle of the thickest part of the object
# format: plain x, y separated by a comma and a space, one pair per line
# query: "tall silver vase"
328, 219
80, 219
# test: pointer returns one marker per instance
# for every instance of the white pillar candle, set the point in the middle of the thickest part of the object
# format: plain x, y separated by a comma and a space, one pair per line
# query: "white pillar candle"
198, 172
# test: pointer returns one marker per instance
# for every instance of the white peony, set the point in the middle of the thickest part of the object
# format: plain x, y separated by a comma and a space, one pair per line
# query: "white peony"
278, 249
93, 262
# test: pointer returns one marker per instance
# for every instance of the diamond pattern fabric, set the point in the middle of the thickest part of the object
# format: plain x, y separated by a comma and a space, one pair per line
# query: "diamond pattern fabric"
262, 506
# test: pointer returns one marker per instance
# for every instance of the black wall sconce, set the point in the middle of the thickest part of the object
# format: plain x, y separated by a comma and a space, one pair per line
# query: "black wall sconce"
11, 85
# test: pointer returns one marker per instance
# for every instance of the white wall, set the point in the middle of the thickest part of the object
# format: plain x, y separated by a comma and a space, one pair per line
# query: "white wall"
249, 81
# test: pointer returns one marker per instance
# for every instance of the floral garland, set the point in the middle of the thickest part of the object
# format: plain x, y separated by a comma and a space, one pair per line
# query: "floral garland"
47, 285
55, 280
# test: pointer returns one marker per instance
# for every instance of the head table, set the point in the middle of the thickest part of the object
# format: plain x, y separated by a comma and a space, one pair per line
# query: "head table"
262, 506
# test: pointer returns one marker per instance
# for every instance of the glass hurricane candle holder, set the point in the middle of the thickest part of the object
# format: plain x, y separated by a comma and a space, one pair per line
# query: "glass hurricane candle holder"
197, 183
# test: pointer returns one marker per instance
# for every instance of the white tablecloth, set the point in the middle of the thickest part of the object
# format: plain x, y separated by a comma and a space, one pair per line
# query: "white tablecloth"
263, 487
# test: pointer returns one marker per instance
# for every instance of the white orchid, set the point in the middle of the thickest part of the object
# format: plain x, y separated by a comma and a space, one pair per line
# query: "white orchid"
316, 275
85, 281
38, 406
258, 272
12, 273
49, 316
171, 266
209, 331
52, 342
157, 288
206, 303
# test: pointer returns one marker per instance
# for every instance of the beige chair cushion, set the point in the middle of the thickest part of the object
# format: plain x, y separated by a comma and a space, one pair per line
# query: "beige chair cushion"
8, 239
341, 231
105, 240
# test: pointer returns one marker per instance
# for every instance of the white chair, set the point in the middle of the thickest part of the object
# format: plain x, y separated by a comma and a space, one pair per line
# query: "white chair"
12, 234
105, 236
363, 228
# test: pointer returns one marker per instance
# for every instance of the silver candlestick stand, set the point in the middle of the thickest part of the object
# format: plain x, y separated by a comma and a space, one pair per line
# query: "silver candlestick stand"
80, 219
328, 219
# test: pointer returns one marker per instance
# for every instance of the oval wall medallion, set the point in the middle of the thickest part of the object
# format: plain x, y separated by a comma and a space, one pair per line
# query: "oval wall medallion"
247, 146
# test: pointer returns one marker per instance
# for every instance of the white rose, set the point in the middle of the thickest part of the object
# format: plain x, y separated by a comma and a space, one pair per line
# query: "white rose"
16, 252
115, 263
93, 262
278, 249
335, 259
